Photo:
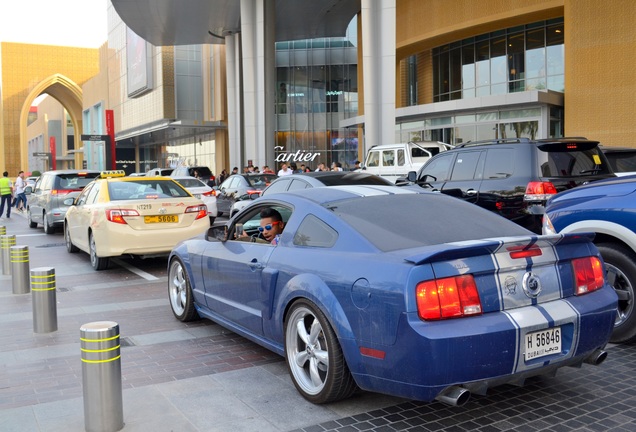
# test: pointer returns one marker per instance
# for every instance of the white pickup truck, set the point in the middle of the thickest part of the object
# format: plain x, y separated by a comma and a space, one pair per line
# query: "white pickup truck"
393, 161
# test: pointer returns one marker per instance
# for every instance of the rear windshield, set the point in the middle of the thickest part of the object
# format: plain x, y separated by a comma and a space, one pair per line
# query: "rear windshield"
403, 221
190, 183
577, 163
353, 179
145, 189
73, 181
203, 171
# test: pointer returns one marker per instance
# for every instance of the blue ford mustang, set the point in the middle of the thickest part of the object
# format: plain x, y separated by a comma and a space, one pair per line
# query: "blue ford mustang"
403, 292
608, 209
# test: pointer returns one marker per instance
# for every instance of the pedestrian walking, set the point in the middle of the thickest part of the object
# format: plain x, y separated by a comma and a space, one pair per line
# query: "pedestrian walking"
20, 201
6, 192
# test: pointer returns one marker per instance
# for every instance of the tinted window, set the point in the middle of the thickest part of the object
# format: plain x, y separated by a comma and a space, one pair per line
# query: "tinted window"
622, 161
499, 163
572, 163
73, 181
438, 167
465, 165
260, 181
423, 219
353, 179
314, 232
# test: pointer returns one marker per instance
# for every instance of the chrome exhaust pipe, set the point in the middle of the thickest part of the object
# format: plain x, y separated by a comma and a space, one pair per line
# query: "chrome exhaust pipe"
453, 396
597, 357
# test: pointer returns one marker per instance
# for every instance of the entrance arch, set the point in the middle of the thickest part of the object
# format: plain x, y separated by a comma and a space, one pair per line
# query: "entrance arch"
69, 95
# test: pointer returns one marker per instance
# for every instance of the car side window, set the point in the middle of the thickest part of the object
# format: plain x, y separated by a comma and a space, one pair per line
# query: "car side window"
252, 221
374, 159
499, 163
81, 199
47, 182
438, 167
278, 186
465, 165
388, 157
314, 232
401, 160
92, 193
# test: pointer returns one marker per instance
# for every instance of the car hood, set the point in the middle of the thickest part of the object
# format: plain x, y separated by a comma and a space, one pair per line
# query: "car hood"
614, 187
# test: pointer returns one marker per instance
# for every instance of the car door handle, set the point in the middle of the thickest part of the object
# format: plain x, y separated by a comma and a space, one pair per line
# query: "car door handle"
471, 192
255, 265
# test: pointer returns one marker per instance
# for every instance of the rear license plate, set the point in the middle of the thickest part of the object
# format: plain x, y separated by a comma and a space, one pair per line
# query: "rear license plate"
161, 219
542, 343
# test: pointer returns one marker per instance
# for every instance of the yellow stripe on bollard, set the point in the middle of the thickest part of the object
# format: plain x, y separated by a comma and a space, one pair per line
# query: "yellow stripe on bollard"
19, 256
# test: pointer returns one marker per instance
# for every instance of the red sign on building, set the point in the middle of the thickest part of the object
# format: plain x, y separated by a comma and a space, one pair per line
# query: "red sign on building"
53, 154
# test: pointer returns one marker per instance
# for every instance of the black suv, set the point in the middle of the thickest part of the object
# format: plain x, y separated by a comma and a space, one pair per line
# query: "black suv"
514, 177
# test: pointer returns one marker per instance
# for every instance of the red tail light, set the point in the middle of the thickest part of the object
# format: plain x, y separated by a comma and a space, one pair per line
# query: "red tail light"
63, 191
448, 298
200, 210
117, 215
539, 191
588, 274
210, 193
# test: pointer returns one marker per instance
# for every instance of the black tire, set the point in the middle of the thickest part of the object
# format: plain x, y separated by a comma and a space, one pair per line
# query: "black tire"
306, 325
98, 263
621, 274
48, 229
180, 292
31, 223
70, 247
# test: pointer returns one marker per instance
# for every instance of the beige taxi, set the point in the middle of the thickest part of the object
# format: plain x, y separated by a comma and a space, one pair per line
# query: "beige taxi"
117, 215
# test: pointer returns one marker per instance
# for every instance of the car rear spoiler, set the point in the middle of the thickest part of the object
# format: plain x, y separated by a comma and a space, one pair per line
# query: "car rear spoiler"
473, 248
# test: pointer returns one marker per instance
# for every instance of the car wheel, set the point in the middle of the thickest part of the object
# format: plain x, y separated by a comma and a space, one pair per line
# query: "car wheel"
70, 247
98, 263
314, 356
48, 229
621, 275
31, 223
180, 292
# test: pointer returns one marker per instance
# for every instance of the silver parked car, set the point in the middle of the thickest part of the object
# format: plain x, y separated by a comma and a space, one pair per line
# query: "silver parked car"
45, 199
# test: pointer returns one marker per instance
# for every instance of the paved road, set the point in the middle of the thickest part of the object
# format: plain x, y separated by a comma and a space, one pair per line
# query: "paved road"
201, 377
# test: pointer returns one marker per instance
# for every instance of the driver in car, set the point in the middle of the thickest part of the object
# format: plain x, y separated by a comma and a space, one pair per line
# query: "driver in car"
271, 226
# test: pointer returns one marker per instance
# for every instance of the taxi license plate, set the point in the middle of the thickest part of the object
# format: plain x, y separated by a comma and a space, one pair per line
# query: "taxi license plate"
542, 343
161, 219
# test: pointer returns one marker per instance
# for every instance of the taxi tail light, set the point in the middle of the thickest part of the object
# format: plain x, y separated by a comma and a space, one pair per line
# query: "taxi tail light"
117, 215
451, 297
200, 210
588, 274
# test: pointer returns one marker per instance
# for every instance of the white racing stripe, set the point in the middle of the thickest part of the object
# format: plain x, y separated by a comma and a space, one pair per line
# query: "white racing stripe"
134, 270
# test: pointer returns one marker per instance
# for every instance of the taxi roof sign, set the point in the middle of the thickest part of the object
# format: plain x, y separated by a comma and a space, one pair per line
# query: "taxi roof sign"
112, 173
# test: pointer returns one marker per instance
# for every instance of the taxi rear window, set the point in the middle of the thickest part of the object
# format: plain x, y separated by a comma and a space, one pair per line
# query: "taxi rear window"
145, 189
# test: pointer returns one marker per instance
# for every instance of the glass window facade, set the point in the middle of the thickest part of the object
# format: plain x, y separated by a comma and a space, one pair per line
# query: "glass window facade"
316, 88
512, 60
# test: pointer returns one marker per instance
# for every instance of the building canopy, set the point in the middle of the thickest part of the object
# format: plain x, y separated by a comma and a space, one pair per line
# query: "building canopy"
192, 22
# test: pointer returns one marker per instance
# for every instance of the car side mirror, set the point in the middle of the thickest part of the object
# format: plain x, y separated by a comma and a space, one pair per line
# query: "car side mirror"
411, 176
28, 190
216, 233
69, 201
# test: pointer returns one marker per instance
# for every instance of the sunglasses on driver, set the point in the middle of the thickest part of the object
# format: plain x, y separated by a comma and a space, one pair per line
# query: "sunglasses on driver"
268, 226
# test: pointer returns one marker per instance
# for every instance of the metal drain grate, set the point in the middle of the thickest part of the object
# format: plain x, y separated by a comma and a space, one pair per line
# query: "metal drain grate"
51, 245
125, 342
62, 289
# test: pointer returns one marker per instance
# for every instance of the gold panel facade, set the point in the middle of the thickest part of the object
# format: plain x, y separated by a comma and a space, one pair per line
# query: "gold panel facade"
28, 70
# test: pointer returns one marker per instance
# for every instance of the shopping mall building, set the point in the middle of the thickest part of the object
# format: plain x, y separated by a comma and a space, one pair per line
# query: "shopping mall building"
227, 83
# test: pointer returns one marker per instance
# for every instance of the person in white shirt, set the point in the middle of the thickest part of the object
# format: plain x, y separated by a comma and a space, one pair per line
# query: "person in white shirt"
20, 196
284, 170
